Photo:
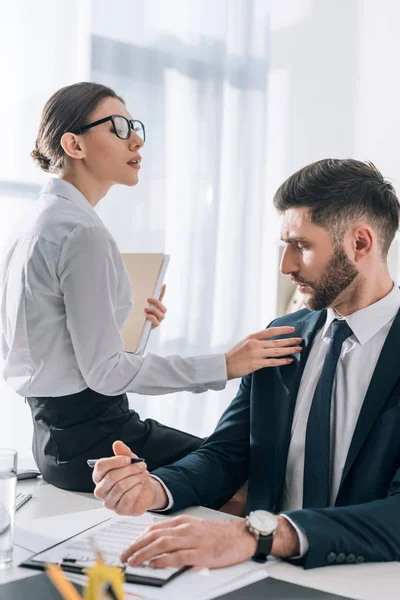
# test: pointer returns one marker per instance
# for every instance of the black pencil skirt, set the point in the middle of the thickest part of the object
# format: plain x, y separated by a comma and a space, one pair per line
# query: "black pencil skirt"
70, 429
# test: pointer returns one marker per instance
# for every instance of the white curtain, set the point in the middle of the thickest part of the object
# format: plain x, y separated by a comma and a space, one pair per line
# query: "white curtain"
196, 74
44, 45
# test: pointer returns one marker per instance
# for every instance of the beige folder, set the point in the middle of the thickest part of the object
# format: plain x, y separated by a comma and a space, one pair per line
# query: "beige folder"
146, 272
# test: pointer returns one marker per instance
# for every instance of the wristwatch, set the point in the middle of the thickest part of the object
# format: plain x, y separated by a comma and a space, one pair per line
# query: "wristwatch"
262, 524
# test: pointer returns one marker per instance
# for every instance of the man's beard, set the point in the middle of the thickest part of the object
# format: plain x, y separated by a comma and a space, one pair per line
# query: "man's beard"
339, 274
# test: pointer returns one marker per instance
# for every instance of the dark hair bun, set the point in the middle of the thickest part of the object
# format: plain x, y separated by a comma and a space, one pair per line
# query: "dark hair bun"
43, 162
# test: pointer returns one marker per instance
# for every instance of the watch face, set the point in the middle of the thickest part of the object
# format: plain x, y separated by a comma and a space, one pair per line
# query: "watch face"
262, 521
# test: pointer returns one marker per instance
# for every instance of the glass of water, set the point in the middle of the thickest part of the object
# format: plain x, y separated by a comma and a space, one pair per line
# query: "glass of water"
8, 485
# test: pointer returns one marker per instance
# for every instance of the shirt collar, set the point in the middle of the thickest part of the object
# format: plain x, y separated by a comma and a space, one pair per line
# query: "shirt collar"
66, 190
365, 323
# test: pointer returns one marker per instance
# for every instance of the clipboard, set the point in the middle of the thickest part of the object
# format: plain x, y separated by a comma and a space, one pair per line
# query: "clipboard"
146, 273
138, 575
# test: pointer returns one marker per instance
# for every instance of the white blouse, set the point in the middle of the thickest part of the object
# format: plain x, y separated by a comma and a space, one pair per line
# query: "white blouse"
64, 296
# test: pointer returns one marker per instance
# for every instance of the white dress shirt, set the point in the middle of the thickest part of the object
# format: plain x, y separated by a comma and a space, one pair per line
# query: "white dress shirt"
357, 362
64, 296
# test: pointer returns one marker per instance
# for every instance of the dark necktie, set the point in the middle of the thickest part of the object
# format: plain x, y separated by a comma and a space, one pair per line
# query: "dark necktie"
318, 434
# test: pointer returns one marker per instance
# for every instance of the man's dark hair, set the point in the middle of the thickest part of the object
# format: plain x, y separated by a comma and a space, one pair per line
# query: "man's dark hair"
339, 192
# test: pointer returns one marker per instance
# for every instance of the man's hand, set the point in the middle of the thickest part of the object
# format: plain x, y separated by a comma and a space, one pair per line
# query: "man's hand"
125, 488
189, 541
258, 351
156, 311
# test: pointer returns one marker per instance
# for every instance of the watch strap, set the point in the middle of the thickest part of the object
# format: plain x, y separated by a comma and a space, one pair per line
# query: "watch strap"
264, 545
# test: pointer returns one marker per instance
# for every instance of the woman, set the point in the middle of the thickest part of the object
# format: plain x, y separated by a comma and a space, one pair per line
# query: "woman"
65, 295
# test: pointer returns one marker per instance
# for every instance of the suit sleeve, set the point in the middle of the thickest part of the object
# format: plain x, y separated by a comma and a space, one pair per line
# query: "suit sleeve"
367, 532
213, 473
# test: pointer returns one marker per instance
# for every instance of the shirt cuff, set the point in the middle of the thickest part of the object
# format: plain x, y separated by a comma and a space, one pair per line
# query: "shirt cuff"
169, 496
211, 372
303, 540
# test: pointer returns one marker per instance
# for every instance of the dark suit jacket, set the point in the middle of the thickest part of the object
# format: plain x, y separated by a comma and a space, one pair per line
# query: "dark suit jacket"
252, 440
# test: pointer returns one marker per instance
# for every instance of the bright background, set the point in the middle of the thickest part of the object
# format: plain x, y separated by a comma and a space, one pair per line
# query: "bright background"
235, 95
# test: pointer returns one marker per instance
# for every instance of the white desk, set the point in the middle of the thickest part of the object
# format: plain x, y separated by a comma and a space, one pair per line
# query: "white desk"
362, 582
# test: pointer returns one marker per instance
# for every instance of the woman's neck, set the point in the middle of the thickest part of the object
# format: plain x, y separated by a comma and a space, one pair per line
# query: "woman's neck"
92, 189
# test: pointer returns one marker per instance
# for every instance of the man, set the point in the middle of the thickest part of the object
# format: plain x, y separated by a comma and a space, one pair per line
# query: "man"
318, 439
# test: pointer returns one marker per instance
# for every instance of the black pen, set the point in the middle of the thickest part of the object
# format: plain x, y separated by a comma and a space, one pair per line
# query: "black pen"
92, 461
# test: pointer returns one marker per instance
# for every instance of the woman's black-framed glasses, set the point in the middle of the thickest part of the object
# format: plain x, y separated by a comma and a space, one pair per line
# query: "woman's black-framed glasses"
122, 126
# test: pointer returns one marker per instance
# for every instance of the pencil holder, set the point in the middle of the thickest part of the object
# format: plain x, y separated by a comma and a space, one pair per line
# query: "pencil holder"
101, 577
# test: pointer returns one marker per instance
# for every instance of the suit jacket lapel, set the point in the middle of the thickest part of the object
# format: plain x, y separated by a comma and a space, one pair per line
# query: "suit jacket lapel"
291, 375
383, 380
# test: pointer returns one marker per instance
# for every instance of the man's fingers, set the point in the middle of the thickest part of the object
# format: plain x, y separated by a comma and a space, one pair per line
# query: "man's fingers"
112, 476
144, 539
112, 496
153, 533
128, 503
121, 449
104, 465
161, 545
181, 558
103, 489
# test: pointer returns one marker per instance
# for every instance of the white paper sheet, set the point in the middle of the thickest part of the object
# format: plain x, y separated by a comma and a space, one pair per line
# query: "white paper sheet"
41, 533
111, 538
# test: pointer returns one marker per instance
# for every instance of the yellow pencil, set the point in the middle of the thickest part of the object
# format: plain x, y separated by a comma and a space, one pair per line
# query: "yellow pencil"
65, 587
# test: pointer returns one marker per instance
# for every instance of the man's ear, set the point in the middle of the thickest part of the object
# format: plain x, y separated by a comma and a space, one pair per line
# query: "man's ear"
364, 240
72, 146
